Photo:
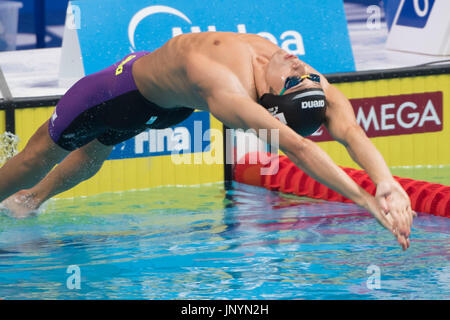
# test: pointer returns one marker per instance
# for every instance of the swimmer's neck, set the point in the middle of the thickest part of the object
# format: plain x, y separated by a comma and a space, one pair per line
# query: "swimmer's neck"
262, 51
259, 71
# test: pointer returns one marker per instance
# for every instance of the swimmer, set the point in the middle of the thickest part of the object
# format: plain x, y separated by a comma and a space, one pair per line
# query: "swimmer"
244, 80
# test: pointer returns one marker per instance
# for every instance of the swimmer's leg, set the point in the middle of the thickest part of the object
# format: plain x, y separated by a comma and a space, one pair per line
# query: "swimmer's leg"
78, 166
28, 167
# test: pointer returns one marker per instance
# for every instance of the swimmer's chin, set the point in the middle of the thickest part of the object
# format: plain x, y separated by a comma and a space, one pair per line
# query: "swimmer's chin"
20, 206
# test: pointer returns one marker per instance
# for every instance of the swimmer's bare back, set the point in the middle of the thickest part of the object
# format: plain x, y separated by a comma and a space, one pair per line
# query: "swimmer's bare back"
172, 75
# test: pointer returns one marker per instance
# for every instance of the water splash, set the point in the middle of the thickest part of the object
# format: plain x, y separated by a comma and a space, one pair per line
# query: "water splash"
8, 146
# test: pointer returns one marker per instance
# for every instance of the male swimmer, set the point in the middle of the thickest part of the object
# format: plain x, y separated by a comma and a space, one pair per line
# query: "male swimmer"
244, 80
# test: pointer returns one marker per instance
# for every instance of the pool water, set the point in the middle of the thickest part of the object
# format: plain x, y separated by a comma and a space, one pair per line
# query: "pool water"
434, 174
211, 242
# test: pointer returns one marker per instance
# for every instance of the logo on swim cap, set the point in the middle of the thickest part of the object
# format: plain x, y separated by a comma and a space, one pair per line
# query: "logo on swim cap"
303, 111
313, 104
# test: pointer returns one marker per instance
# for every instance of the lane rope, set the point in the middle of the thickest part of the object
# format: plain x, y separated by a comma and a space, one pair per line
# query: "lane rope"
426, 197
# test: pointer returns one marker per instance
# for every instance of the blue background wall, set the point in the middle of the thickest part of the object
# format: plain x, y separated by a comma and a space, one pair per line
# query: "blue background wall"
56, 11
55, 16
52, 5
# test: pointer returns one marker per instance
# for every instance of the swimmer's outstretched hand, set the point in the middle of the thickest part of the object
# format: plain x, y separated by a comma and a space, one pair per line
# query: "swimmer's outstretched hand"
396, 207
386, 220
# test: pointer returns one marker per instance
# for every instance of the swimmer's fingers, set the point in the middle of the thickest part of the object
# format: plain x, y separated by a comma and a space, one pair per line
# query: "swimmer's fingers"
388, 221
410, 215
404, 242
391, 224
400, 209
405, 204
405, 225
398, 204
401, 239
395, 220
399, 219
381, 216
382, 201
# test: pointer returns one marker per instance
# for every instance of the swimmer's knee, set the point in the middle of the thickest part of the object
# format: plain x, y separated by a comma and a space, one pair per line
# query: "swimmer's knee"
93, 155
37, 158
97, 150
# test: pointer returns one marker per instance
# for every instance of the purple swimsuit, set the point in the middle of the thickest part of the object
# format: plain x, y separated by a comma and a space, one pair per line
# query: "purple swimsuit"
108, 106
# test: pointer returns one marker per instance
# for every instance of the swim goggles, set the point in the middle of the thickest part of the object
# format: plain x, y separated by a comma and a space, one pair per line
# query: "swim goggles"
293, 81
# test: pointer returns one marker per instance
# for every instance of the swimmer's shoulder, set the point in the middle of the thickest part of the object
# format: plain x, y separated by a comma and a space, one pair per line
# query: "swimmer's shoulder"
207, 43
220, 47
218, 55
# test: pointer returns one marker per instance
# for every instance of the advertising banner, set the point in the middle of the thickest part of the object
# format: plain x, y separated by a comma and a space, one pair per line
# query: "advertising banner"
421, 27
189, 136
395, 115
111, 29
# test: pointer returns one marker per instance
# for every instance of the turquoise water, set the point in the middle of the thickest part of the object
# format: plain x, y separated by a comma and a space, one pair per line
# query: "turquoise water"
211, 243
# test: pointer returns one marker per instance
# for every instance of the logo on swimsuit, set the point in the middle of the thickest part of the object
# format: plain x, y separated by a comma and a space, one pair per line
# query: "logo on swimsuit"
152, 120
291, 40
313, 104
54, 116
119, 69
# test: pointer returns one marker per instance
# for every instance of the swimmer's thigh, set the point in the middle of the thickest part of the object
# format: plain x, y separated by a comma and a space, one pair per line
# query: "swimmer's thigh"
111, 137
81, 130
42, 148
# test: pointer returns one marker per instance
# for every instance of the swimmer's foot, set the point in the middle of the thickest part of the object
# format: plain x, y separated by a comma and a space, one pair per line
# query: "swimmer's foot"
21, 205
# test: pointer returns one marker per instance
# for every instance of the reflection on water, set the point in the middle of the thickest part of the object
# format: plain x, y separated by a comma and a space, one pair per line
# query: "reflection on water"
211, 243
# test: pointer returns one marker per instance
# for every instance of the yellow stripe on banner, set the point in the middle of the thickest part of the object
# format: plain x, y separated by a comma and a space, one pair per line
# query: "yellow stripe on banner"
2, 122
129, 174
28, 121
432, 148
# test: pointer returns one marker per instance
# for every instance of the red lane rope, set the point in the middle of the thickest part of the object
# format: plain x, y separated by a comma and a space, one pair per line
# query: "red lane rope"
426, 197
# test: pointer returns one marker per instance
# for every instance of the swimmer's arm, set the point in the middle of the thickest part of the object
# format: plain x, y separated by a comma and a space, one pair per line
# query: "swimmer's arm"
230, 102
341, 124
238, 111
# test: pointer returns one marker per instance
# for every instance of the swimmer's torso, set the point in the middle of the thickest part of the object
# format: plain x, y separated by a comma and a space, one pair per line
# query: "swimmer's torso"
166, 76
